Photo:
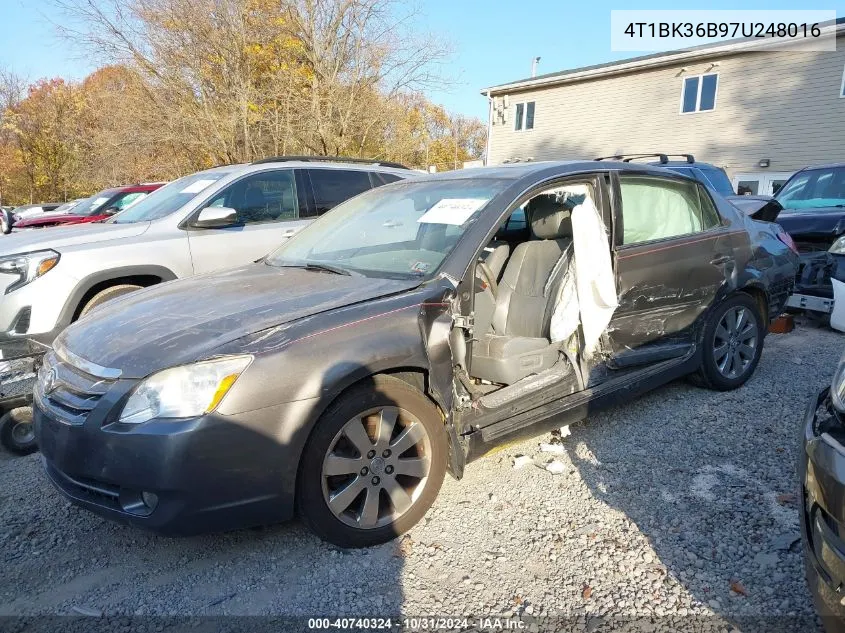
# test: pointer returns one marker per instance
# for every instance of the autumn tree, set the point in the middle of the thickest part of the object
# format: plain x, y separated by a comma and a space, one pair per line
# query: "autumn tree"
233, 80
122, 137
44, 126
188, 84
13, 180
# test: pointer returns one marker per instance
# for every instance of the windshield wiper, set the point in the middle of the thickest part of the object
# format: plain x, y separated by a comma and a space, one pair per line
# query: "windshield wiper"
337, 270
315, 267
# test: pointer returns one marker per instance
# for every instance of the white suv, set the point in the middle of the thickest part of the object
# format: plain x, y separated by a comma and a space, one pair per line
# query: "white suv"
219, 218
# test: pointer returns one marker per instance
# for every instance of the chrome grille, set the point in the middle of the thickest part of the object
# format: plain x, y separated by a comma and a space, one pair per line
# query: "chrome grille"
66, 391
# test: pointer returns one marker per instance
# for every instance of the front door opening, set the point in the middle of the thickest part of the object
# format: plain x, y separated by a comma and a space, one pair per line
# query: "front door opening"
528, 332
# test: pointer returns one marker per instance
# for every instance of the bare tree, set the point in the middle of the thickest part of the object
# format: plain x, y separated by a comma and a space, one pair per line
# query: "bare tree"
248, 75
358, 51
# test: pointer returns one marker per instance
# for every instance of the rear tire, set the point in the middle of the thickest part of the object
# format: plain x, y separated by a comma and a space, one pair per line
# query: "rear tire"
731, 344
113, 292
17, 432
383, 488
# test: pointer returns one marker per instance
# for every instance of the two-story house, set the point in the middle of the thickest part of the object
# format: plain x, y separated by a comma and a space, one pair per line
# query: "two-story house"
760, 114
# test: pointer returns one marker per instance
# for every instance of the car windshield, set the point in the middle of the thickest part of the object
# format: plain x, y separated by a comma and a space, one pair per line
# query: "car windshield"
400, 231
162, 202
814, 190
90, 206
67, 206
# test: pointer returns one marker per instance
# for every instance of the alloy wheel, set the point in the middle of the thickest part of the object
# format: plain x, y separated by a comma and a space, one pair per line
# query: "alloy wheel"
735, 342
376, 467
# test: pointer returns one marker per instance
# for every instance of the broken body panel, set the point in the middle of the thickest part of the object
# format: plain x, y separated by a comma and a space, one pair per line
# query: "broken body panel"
665, 291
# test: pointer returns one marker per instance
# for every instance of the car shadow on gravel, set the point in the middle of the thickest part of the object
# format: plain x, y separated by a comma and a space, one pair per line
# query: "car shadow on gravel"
709, 479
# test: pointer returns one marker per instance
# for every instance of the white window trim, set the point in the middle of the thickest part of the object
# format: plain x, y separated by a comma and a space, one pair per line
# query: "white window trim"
842, 85
524, 105
698, 94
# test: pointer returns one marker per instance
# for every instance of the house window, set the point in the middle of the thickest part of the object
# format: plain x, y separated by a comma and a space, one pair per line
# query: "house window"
699, 93
524, 119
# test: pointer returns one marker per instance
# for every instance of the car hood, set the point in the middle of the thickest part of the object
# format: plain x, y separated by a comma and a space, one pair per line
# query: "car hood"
46, 218
824, 223
56, 238
186, 320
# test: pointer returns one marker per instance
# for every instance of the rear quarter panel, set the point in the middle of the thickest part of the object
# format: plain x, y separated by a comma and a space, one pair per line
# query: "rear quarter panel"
770, 264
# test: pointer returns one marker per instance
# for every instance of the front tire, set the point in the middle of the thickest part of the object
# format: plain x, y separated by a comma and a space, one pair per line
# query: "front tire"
112, 292
17, 432
731, 344
373, 464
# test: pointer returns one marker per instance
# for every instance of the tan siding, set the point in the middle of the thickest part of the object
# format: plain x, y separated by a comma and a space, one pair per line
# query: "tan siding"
778, 105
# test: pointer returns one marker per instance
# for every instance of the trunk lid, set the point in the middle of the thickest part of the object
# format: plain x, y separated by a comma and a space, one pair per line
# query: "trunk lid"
761, 208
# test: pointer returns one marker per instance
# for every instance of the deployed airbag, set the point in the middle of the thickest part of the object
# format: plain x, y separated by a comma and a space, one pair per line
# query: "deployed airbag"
588, 292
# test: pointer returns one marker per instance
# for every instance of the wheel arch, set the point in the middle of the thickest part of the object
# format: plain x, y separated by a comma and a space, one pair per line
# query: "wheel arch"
144, 276
761, 297
414, 375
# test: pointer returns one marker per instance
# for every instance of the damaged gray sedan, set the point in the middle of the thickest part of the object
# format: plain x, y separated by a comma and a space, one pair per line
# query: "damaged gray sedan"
399, 337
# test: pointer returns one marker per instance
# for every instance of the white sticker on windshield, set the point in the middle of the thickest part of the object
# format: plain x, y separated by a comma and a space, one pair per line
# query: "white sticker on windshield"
196, 187
98, 202
452, 210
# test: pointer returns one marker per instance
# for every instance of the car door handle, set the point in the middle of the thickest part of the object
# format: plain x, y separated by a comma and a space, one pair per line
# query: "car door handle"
722, 259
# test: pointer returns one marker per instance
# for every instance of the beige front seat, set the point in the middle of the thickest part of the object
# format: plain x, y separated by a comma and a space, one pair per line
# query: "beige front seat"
493, 258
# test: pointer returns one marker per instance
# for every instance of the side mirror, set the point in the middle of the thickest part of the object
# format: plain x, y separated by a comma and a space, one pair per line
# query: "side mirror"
111, 211
216, 218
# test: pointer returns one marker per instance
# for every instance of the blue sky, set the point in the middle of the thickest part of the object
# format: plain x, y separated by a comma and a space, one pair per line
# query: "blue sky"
493, 41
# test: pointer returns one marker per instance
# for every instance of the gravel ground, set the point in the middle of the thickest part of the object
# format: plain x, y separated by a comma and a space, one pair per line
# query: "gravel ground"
677, 505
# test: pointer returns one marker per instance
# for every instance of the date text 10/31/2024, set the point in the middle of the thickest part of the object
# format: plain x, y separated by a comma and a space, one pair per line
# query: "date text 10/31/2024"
419, 624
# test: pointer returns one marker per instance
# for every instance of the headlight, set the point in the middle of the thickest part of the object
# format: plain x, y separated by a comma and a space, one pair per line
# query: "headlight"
27, 266
838, 247
185, 391
837, 387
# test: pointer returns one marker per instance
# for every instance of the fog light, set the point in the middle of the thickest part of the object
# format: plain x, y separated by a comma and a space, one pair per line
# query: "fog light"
150, 500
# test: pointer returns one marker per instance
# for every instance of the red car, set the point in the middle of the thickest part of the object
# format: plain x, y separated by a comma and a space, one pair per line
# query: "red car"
98, 207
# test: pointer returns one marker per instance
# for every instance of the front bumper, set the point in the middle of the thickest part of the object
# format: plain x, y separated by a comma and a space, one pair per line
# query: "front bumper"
35, 310
207, 474
814, 289
822, 476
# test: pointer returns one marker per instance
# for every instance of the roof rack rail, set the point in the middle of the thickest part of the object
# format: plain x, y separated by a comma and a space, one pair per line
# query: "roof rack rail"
329, 159
663, 158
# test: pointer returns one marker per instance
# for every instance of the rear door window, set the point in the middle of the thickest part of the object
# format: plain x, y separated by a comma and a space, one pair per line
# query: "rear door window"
657, 208
333, 186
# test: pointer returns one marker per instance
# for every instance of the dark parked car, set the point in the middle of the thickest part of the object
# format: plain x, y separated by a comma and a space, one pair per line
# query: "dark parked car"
822, 473
813, 213
399, 336
99, 207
